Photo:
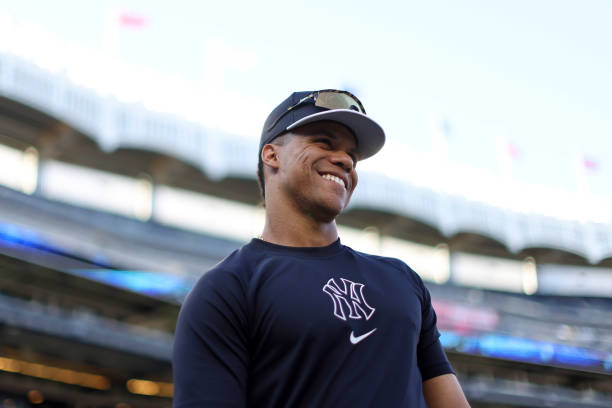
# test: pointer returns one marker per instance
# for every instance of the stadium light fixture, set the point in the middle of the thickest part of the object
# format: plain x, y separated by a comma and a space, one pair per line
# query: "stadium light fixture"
530, 276
148, 387
29, 170
58, 374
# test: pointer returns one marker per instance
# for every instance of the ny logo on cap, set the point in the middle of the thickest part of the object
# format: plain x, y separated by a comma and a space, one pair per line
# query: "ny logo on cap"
349, 298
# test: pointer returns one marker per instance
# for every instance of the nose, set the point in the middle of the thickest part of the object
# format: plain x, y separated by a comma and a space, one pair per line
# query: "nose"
344, 160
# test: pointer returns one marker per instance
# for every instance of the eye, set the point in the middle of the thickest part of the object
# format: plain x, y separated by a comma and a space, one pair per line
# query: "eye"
325, 141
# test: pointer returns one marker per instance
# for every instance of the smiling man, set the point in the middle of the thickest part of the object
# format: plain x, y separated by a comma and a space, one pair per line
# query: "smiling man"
296, 319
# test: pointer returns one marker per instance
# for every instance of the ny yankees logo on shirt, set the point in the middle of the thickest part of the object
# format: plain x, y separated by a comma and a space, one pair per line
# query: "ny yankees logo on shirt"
349, 297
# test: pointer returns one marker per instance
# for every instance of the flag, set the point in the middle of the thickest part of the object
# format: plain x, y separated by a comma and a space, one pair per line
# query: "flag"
445, 128
439, 130
507, 154
589, 163
132, 20
585, 167
513, 150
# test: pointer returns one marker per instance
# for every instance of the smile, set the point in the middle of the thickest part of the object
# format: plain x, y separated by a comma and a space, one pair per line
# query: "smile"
334, 178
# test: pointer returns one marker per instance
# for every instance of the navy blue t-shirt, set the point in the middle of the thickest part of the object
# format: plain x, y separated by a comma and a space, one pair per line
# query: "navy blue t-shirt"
275, 326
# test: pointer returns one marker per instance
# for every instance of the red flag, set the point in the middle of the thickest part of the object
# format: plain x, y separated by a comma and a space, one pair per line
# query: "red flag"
590, 164
513, 151
132, 20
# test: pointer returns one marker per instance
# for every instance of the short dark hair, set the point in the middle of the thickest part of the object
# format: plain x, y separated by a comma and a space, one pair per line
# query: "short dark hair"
278, 141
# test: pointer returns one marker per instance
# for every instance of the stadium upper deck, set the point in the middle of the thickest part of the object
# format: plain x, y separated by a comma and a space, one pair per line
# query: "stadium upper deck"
47, 111
157, 166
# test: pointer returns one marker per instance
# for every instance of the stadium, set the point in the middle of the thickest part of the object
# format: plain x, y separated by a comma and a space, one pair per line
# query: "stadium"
109, 212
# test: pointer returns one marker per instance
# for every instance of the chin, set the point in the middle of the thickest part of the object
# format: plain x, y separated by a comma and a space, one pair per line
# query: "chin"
328, 212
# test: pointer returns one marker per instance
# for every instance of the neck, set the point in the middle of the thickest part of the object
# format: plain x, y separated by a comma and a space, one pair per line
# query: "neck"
297, 231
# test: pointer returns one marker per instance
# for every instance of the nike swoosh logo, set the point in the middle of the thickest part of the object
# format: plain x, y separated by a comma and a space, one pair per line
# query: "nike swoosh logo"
357, 339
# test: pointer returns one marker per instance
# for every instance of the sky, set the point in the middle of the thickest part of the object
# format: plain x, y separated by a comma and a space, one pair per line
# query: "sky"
518, 89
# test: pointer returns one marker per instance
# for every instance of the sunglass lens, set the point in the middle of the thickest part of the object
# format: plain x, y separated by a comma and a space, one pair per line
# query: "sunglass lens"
337, 100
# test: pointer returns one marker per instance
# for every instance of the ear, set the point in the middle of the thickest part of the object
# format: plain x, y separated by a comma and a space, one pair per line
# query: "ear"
269, 155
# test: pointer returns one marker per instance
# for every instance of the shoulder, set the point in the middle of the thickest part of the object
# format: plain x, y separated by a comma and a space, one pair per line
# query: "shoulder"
234, 263
229, 276
219, 292
391, 264
385, 261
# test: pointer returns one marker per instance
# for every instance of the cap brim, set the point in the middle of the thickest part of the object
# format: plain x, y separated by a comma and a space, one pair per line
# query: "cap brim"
369, 134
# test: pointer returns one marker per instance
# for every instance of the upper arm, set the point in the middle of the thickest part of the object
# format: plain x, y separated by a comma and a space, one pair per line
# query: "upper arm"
444, 391
431, 359
440, 386
210, 352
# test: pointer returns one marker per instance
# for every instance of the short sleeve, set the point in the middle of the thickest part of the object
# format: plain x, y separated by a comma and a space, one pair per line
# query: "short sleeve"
210, 352
432, 360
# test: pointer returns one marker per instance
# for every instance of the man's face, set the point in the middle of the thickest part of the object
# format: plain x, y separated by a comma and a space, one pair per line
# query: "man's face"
316, 171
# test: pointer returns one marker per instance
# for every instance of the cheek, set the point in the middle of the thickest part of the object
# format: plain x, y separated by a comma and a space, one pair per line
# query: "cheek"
301, 157
293, 160
302, 163
355, 179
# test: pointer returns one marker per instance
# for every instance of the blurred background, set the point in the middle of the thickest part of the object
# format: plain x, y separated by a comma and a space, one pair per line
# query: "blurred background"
128, 144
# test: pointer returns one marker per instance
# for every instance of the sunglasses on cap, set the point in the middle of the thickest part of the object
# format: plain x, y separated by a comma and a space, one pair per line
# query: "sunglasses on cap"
328, 99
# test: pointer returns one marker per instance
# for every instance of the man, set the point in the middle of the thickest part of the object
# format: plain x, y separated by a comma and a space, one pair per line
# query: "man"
296, 319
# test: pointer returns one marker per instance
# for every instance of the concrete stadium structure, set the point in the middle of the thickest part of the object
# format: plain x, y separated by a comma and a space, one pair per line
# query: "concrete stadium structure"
70, 123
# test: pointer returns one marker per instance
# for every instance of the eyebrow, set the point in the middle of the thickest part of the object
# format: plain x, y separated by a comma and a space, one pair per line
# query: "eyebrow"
327, 133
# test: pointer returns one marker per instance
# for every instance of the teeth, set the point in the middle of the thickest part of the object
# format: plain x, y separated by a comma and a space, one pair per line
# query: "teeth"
334, 178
